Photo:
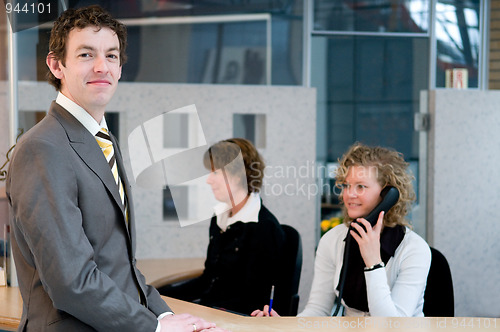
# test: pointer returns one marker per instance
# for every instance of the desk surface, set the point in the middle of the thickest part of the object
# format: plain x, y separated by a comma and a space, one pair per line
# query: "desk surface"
11, 309
236, 323
157, 271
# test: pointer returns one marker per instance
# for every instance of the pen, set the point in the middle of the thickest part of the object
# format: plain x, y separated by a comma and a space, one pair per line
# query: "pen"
271, 300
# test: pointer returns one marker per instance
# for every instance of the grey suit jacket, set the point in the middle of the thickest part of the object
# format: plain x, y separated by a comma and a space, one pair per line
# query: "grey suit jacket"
73, 250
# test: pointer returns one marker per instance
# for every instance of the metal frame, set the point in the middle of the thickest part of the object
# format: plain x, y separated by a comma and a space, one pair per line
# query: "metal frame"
371, 34
13, 83
13, 116
484, 31
432, 45
308, 10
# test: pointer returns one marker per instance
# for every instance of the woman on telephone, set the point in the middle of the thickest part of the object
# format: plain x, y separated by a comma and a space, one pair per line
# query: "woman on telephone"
388, 263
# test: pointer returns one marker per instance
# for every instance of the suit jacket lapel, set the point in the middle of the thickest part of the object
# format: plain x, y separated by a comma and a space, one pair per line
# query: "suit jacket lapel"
85, 145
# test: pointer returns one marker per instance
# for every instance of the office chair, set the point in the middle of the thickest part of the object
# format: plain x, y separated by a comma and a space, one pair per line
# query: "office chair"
438, 296
286, 299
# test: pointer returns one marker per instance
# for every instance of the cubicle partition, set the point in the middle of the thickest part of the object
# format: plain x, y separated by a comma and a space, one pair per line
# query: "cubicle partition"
464, 194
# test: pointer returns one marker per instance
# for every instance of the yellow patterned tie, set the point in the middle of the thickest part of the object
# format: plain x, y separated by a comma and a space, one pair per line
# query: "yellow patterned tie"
106, 145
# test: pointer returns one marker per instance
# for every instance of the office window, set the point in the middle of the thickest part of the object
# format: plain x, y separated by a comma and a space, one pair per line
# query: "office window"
458, 41
251, 127
176, 131
178, 210
407, 16
259, 42
368, 91
371, 91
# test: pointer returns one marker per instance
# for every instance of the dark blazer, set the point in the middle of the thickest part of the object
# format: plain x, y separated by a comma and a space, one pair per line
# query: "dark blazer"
240, 268
73, 250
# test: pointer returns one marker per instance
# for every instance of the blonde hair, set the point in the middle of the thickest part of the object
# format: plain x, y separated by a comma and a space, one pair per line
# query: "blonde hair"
391, 170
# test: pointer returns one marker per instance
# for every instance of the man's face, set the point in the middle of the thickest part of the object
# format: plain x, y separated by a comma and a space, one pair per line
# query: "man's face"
92, 67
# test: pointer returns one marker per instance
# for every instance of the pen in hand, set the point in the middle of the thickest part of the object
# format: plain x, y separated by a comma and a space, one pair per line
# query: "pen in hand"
271, 300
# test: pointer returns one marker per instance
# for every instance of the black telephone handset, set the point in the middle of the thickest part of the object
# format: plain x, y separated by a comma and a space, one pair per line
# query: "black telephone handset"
390, 196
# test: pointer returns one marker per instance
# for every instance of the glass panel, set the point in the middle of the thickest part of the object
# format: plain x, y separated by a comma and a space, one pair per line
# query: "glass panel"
372, 15
148, 8
457, 41
176, 131
4, 145
28, 119
252, 127
368, 91
373, 87
230, 53
28, 14
175, 209
218, 52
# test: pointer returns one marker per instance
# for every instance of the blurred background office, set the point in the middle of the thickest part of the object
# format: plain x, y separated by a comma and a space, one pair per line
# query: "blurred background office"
415, 75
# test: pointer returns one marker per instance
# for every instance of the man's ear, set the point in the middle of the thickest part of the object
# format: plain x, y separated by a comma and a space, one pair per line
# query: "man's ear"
54, 66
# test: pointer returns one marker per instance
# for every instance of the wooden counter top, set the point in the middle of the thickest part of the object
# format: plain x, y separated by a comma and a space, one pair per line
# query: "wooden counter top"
236, 323
11, 308
157, 271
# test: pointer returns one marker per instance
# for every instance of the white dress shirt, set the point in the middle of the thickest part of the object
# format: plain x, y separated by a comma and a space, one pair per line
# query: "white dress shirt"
248, 213
81, 115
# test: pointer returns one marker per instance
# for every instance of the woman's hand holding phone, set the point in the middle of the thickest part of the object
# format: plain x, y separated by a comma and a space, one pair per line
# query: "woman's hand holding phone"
369, 240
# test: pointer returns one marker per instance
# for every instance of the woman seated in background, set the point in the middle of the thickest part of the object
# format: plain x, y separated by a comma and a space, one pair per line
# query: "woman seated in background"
245, 237
387, 276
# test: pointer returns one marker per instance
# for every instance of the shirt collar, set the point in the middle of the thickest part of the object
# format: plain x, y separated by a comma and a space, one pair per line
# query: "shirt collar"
248, 213
81, 115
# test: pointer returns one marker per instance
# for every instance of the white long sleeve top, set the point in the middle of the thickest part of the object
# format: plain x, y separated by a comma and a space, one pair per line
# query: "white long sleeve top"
394, 291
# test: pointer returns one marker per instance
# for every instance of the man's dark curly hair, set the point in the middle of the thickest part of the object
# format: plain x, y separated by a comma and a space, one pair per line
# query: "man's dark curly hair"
80, 19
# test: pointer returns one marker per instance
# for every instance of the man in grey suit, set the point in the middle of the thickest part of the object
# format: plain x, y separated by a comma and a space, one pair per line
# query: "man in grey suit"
74, 237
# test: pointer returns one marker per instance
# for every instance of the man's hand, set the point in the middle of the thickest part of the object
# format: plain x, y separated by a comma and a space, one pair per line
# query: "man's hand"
187, 323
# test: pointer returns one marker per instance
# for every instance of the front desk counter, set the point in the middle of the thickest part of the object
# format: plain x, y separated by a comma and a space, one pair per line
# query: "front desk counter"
238, 323
162, 271
11, 309
157, 272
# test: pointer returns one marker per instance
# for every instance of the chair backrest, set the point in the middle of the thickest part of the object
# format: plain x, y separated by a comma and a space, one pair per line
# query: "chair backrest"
286, 299
438, 296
